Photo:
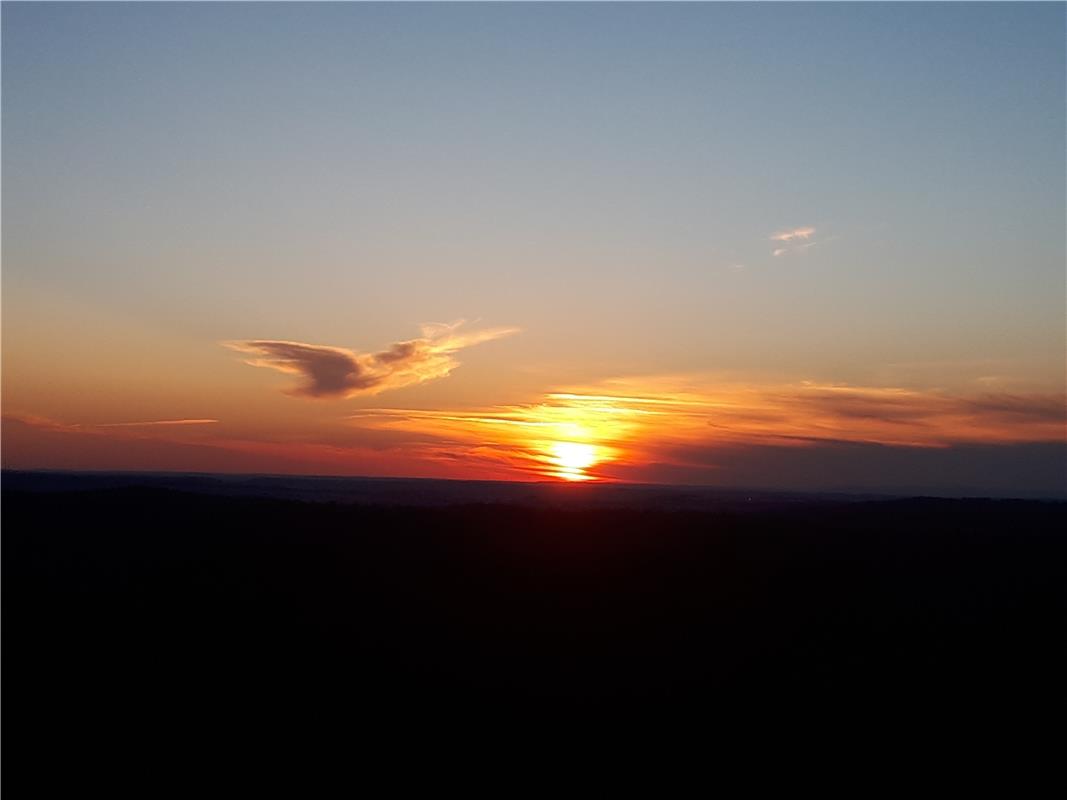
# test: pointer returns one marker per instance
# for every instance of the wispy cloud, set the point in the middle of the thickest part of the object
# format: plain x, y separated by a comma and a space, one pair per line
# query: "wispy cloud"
47, 423
641, 421
158, 422
796, 241
797, 233
697, 428
38, 421
338, 372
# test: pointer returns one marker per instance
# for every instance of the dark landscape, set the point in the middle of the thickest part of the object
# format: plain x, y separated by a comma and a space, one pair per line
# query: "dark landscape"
156, 607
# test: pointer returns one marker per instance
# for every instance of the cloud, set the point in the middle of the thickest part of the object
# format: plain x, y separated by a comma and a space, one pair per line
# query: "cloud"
1033, 469
797, 241
38, 421
633, 423
797, 233
158, 422
338, 372
1048, 407
47, 423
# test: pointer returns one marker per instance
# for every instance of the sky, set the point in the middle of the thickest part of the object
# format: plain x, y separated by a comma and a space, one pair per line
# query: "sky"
796, 246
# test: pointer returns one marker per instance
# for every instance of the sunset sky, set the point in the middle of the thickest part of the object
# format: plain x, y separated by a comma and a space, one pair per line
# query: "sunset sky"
774, 245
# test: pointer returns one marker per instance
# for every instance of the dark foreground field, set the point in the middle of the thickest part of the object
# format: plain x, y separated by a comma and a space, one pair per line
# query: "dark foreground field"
147, 615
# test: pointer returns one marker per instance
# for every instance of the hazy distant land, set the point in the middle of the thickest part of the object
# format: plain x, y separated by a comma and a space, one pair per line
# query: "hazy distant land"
169, 603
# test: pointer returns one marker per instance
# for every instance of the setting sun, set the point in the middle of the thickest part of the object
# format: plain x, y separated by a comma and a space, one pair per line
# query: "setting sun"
572, 459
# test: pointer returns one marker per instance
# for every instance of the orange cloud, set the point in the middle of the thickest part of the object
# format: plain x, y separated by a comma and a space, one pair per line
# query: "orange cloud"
46, 423
35, 442
679, 429
338, 372
158, 422
575, 434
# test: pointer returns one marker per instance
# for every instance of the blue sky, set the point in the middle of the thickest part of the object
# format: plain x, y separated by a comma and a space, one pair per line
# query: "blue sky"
605, 177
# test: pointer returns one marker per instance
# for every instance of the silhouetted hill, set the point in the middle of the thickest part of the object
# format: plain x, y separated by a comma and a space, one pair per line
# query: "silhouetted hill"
427, 492
170, 614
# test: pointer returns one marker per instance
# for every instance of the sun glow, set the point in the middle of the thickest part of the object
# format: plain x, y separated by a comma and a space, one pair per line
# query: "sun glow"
572, 459
603, 432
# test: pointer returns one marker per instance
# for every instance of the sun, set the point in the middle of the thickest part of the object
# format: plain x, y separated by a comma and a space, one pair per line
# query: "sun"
572, 459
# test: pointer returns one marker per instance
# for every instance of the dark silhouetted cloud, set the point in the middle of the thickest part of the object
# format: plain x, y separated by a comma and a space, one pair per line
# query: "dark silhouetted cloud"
338, 372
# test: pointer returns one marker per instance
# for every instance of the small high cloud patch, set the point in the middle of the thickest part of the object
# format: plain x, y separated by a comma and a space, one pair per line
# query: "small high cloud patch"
330, 372
795, 234
795, 240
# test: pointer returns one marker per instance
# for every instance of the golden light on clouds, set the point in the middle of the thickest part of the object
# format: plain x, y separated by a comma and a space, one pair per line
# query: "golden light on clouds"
564, 436
619, 429
587, 435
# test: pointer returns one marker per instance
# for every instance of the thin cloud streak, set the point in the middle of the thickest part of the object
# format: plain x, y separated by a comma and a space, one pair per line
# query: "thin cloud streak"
329, 372
797, 233
158, 422
41, 422
47, 423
